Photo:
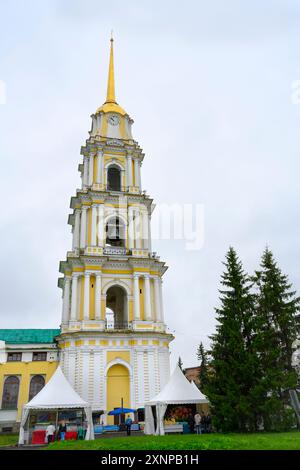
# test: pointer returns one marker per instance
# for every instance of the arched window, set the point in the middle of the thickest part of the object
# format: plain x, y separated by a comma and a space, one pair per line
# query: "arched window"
115, 232
114, 178
36, 384
116, 308
10, 393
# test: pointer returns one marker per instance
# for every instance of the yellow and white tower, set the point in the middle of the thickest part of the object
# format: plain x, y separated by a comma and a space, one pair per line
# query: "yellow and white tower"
113, 344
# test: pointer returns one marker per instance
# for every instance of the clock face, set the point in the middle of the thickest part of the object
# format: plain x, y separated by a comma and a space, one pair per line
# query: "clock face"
113, 120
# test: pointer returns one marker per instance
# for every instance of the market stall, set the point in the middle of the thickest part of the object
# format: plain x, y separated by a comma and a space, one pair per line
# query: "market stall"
177, 391
57, 401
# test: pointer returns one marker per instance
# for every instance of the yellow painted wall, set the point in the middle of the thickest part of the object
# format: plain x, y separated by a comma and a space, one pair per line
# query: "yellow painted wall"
24, 371
141, 287
103, 309
103, 126
130, 313
89, 234
81, 281
92, 297
122, 128
95, 168
118, 387
152, 297
112, 355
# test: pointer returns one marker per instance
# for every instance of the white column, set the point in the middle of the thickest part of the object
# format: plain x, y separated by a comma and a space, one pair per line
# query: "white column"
100, 229
98, 297
147, 299
129, 170
149, 234
137, 228
85, 171
161, 302
83, 223
91, 169
145, 230
77, 229
86, 305
74, 297
99, 167
73, 237
94, 225
136, 297
139, 175
136, 173
66, 300
130, 228
157, 298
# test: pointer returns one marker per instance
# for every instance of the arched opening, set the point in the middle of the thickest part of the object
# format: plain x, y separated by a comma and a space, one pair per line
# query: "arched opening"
36, 384
110, 319
114, 178
116, 308
10, 393
118, 389
115, 232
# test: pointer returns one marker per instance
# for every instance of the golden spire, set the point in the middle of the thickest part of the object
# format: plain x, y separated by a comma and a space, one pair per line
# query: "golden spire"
110, 97
110, 105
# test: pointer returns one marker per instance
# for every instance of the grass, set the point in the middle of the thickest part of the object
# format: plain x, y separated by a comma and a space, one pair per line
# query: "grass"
258, 441
8, 439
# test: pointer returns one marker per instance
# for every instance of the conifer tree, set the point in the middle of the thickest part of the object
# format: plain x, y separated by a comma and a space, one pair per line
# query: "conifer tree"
232, 369
180, 363
277, 327
202, 356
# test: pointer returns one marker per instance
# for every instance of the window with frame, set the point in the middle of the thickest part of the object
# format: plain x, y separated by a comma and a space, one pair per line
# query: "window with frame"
37, 382
14, 357
39, 356
114, 178
10, 393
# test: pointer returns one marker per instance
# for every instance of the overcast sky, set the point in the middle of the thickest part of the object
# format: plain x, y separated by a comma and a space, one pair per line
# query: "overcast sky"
209, 85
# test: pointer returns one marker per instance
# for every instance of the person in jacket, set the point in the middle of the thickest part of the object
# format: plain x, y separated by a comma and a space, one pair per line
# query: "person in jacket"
62, 429
128, 424
191, 423
197, 419
50, 431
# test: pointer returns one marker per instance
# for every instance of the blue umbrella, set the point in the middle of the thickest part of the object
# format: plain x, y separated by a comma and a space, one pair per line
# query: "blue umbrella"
119, 411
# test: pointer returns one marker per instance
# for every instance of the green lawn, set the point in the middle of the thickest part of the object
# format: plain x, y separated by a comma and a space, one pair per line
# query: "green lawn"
259, 441
8, 439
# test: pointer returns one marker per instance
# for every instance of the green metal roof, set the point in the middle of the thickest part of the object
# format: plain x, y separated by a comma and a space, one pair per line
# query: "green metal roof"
28, 336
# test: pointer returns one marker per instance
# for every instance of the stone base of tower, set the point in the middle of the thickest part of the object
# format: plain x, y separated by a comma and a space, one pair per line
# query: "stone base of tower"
110, 369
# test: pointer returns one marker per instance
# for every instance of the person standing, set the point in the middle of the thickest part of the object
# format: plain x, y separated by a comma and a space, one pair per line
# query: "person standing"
128, 424
50, 430
197, 419
191, 423
62, 430
208, 423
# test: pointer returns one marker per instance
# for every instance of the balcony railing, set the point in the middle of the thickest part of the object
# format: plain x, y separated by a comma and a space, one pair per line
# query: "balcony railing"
114, 250
118, 189
117, 326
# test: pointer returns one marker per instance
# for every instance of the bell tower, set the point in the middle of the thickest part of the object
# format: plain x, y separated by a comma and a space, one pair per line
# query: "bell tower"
114, 347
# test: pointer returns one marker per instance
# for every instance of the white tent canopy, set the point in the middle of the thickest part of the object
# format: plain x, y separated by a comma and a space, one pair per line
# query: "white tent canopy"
177, 391
57, 394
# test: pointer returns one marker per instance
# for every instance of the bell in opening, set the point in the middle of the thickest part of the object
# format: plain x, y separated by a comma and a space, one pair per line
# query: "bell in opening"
115, 232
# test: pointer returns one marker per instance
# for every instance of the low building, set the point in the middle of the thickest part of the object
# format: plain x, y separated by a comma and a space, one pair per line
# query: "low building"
192, 373
28, 358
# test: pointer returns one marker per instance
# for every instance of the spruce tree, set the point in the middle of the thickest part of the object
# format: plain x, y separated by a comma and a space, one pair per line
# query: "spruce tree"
180, 363
232, 369
277, 327
202, 356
